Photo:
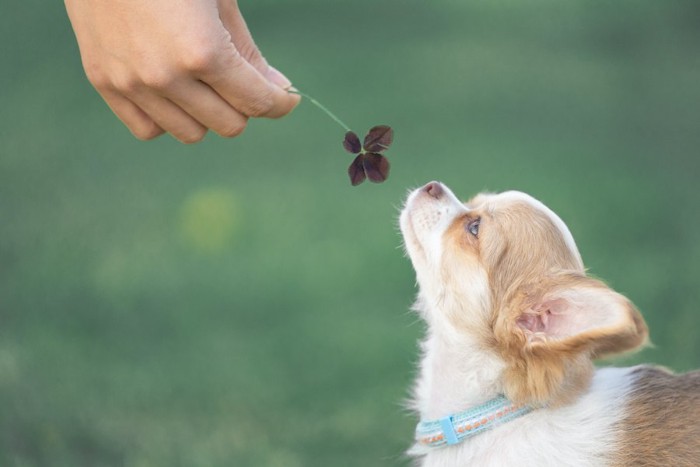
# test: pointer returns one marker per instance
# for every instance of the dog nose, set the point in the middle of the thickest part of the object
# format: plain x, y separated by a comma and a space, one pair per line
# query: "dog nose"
434, 189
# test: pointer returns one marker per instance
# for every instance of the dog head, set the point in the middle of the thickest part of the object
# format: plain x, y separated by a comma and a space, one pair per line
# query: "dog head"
504, 269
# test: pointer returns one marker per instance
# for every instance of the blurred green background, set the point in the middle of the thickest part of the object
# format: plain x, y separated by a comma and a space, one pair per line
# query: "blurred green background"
237, 302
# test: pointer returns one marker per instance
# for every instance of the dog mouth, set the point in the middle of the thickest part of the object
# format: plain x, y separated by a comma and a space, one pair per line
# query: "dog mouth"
408, 231
430, 204
428, 211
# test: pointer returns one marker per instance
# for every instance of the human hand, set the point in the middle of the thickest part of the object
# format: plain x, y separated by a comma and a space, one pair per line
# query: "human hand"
177, 66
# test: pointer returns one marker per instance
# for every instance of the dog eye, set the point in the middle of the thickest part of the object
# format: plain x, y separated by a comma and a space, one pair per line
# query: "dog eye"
473, 227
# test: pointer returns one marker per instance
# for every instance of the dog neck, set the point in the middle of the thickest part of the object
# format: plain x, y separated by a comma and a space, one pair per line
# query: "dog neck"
457, 370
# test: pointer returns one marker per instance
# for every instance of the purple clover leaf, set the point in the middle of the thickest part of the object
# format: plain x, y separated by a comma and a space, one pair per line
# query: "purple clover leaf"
369, 163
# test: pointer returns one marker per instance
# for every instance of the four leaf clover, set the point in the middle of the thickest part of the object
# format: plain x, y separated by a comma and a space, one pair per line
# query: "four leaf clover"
369, 163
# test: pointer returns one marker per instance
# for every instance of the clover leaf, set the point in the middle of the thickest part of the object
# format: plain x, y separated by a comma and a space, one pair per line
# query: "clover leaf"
369, 163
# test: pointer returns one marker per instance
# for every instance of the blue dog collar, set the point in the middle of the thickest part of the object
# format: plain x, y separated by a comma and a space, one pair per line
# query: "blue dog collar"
453, 429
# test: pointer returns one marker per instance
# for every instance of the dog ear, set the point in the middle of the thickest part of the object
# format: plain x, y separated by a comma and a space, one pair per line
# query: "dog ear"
573, 313
550, 330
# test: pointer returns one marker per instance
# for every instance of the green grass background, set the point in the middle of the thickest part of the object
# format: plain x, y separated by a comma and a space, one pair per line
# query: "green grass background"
238, 303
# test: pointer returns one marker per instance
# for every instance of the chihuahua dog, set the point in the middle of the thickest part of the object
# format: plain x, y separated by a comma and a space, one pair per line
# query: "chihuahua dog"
513, 324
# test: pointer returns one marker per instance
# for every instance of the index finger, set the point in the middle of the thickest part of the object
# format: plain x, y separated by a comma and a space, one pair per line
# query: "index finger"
246, 89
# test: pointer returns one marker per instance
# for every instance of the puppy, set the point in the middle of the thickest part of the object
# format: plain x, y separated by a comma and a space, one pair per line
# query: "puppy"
513, 323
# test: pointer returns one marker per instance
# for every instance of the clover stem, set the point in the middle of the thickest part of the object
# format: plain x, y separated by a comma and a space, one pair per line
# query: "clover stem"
322, 107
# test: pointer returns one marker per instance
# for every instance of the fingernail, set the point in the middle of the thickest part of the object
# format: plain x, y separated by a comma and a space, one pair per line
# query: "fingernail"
276, 77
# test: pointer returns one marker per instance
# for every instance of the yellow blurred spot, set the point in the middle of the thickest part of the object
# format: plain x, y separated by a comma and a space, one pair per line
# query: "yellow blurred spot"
208, 219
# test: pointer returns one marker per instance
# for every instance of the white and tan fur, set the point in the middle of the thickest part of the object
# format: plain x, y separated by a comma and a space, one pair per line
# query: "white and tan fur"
510, 310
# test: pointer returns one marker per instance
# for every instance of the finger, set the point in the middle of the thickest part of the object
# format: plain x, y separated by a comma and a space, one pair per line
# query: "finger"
136, 120
208, 108
235, 24
248, 91
240, 74
242, 39
171, 117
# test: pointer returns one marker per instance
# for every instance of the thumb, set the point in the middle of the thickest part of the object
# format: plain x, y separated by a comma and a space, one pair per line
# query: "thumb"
275, 76
242, 39
255, 89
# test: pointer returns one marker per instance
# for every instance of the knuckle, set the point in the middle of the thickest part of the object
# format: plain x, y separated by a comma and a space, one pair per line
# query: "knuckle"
233, 130
96, 76
192, 136
235, 60
157, 78
127, 83
250, 52
200, 60
259, 104
146, 133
